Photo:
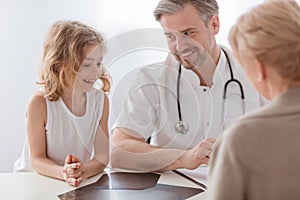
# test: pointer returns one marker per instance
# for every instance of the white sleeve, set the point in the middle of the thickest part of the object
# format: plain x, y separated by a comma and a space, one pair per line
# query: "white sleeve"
139, 111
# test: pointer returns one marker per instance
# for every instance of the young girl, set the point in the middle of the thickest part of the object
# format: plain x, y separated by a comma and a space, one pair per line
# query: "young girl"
67, 119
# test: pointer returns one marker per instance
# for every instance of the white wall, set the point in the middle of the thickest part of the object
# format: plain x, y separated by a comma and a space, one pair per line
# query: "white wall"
19, 55
23, 26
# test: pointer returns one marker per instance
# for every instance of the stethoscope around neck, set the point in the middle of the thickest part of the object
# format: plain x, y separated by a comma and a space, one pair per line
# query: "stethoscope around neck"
183, 127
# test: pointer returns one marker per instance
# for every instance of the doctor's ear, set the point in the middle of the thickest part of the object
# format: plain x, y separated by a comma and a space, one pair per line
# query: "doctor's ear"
215, 24
261, 70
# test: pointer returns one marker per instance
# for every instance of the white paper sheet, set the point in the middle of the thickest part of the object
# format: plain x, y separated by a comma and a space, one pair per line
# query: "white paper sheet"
199, 174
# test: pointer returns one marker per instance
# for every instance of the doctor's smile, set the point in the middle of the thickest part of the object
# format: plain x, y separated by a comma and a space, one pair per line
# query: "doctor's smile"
189, 55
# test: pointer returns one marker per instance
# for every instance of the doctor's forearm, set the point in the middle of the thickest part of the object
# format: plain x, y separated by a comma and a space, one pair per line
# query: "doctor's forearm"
144, 157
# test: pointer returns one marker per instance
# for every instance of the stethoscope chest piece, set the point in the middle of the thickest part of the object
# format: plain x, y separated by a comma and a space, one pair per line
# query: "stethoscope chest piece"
182, 127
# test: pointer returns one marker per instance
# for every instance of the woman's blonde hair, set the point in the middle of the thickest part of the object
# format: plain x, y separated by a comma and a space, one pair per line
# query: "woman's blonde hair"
270, 33
63, 55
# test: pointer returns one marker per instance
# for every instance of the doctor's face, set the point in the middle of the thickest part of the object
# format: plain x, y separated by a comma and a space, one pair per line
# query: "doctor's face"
187, 35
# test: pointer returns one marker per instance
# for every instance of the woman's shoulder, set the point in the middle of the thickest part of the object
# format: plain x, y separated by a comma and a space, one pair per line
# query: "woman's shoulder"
248, 128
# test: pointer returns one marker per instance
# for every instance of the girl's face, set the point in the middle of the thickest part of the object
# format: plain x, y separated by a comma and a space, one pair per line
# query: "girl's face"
90, 69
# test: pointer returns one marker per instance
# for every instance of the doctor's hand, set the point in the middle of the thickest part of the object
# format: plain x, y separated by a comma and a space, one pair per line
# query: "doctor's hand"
72, 170
198, 155
206, 147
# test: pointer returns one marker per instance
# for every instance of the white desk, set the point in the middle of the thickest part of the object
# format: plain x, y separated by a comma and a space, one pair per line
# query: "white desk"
32, 186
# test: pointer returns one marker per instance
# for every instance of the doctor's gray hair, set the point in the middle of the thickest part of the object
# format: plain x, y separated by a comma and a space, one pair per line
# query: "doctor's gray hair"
205, 8
270, 33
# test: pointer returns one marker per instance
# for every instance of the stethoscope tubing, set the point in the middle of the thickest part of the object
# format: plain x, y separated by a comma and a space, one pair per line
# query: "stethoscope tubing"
231, 80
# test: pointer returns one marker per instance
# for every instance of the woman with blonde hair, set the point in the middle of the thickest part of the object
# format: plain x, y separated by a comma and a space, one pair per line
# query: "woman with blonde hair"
258, 156
67, 118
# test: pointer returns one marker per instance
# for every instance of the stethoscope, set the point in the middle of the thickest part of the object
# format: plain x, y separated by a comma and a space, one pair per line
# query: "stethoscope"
182, 126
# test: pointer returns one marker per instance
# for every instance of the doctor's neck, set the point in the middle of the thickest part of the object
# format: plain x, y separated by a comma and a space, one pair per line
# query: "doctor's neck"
206, 70
202, 80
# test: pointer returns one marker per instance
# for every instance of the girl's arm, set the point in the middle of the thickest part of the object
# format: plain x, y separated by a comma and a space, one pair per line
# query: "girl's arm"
36, 122
101, 145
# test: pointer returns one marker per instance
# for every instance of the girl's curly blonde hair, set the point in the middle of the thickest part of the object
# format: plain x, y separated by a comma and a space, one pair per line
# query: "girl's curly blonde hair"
63, 55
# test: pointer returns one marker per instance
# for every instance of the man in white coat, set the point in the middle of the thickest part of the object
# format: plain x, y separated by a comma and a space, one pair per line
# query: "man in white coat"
179, 103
